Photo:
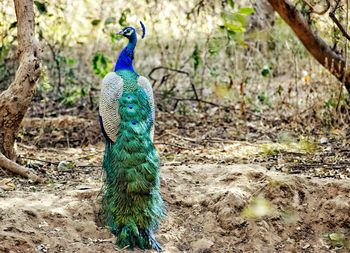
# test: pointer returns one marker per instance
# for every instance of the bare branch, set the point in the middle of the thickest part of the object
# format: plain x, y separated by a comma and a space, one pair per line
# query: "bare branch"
336, 20
313, 10
180, 72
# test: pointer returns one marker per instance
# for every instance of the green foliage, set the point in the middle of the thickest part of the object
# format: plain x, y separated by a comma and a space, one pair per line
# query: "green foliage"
235, 22
44, 84
96, 22
101, 64
13, 25
337, 240
266, 70
4, 50
196, 57
122, 20
231, 3
270, 150
308, 145
41, 7
246, 11
71, 95
114, 37
264, 99
217, 55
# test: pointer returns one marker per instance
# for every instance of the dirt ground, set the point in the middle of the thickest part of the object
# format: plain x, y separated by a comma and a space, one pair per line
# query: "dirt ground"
229, 186
207, 212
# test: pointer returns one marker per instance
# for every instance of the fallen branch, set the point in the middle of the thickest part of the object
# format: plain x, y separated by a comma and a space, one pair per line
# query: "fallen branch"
9, 165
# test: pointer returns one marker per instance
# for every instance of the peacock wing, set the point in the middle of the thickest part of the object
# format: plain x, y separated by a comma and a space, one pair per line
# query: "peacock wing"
147, 87
111, 91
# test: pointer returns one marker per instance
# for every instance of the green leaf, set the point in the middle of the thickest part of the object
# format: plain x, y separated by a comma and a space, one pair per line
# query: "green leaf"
238, 18
337, 240
95, 22
101, 64
231, 3
246, 11
110, 20
4, 50
232, 35
115, 37
71, 61
264, 98
337, 236
196, 57
234, 27
41, 7
122, 19
13, 25
265, 72
233, 17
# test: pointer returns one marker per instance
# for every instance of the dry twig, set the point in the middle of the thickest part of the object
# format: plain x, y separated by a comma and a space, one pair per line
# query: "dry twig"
312, 8
336, 20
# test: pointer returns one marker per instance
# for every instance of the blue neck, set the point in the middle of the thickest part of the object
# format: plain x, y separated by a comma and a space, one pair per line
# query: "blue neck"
126, 57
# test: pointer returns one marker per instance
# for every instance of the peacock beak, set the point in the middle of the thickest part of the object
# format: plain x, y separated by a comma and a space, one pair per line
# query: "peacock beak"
120, 32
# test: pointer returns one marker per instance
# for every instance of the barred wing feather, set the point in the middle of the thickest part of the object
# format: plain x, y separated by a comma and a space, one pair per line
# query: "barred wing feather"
111, 91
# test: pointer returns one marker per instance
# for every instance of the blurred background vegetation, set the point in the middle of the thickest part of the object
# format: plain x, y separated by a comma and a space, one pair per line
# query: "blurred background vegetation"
200, 56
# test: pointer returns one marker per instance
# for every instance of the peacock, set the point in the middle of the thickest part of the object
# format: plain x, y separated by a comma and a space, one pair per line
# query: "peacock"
132, 205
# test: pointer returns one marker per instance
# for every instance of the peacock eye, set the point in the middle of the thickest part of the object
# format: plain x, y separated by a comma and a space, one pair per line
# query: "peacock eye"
128, 32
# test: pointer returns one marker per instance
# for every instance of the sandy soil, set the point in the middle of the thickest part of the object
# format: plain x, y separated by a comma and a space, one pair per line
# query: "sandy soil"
205, 205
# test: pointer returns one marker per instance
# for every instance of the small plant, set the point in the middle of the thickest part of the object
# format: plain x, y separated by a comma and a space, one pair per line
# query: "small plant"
307, 145
72, 95
337, 240
235, 22
257, 208
270, 150
101, 64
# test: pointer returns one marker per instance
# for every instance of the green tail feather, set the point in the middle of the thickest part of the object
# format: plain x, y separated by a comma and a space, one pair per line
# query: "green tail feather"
131, 203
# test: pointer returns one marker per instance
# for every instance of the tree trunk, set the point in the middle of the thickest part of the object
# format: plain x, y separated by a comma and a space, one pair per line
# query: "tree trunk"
318, 48
15, 101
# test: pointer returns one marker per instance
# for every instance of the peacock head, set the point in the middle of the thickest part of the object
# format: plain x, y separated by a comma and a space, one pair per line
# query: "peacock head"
130, 32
